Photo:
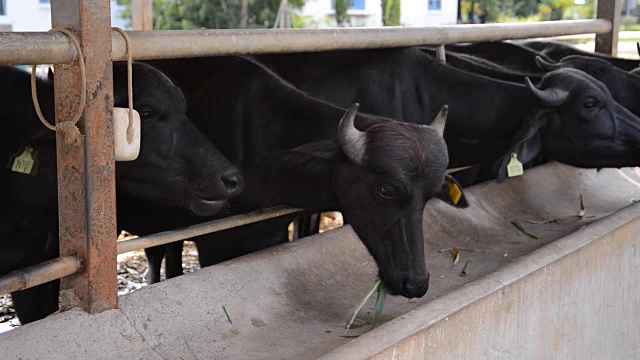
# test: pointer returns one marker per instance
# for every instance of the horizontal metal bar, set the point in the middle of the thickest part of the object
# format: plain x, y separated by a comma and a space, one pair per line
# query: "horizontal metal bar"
39, 274
198, 43
204, 228
40, 48
33, 48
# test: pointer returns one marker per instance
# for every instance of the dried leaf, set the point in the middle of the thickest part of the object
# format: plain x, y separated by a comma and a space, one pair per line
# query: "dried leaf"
456, 255
583, 209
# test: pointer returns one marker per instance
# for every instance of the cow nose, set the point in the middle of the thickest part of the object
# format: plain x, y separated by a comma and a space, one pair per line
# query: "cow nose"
415, 287
232, 181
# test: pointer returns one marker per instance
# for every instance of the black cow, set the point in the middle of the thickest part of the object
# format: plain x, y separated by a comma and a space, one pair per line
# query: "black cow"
177, 167
480, 66
573, 118
506, 54
624, 86
556, 50
379, 173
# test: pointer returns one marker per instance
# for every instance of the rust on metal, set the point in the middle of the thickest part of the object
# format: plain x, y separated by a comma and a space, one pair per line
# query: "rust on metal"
86, 183
39, 274
607, 43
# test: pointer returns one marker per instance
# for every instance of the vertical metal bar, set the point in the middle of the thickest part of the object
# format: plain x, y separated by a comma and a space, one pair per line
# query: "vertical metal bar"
441, 55
609, 10
86, 182
142, 14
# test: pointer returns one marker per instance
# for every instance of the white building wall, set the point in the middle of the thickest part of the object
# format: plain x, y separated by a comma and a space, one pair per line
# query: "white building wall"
416, 13
412, 13
322, 11
31, 15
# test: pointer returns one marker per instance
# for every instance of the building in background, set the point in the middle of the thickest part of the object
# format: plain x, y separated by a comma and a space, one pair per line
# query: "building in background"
369, 12
35, 15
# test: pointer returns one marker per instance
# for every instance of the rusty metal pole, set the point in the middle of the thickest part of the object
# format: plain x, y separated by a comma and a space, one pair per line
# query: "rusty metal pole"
607, 43
142, 14
86, 182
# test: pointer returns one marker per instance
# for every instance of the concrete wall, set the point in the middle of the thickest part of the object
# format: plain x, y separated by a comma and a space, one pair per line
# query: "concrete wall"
579, 299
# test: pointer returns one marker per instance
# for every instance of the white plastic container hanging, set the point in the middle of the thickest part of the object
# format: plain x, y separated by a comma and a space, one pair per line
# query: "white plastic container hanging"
127, 141
126, 122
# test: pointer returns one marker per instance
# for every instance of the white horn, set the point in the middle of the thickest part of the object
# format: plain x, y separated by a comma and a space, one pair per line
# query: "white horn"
351, 140
441, 120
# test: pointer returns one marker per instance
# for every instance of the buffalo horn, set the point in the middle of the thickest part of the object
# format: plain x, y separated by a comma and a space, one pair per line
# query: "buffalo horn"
440, 121
352, 141
550, 96
545, 65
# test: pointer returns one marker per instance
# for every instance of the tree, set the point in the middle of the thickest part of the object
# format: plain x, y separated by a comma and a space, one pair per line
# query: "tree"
341, 7
391, 12
213, 14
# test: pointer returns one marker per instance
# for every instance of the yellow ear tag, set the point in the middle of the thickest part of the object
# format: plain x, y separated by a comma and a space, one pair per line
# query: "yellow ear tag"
454, 192
24, 163
515, 167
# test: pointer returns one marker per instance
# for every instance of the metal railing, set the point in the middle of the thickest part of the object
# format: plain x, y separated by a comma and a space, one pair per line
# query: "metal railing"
56, 48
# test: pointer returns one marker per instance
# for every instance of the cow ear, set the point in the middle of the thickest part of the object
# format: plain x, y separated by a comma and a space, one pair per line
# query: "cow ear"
452, 193
310, 158
526, 144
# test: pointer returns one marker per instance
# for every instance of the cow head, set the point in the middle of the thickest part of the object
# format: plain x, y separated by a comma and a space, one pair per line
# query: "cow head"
177, 165
388, 172
577, 123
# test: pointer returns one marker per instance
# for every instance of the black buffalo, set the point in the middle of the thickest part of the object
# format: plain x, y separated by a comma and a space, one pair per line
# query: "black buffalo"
480, 66
177, 167
378, 172
506, 54
556, 51
624, 86
571, 117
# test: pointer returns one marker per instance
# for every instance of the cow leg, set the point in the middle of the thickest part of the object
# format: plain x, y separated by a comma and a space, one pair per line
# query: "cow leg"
37, 302
154, 262
173, 262
306, 225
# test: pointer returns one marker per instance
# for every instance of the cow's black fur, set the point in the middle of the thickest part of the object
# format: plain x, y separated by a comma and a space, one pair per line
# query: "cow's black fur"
624, 86
556, 51
177, 167
488, 119
249, 112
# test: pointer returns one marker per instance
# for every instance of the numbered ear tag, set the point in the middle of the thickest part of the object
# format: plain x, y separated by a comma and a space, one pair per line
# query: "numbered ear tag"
454, 191
24, 163
515, 167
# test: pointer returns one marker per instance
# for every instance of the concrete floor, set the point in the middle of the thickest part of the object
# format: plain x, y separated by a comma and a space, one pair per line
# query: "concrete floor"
291, 302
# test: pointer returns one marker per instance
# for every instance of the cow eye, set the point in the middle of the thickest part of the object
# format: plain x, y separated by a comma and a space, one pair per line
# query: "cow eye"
590, 104
386, 192
145, 114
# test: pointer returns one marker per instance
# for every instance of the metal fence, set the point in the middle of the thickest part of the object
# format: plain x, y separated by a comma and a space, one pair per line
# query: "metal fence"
86, 186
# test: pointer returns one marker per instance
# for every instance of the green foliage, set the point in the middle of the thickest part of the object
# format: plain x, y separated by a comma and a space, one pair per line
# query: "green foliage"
525, 10
212, 14
391, 12
341, 7
628, 22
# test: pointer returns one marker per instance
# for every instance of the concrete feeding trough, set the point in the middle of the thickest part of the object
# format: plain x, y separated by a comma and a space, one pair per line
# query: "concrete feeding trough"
573, 293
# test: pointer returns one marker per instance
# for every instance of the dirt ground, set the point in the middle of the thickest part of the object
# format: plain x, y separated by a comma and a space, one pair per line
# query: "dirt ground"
132, 268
